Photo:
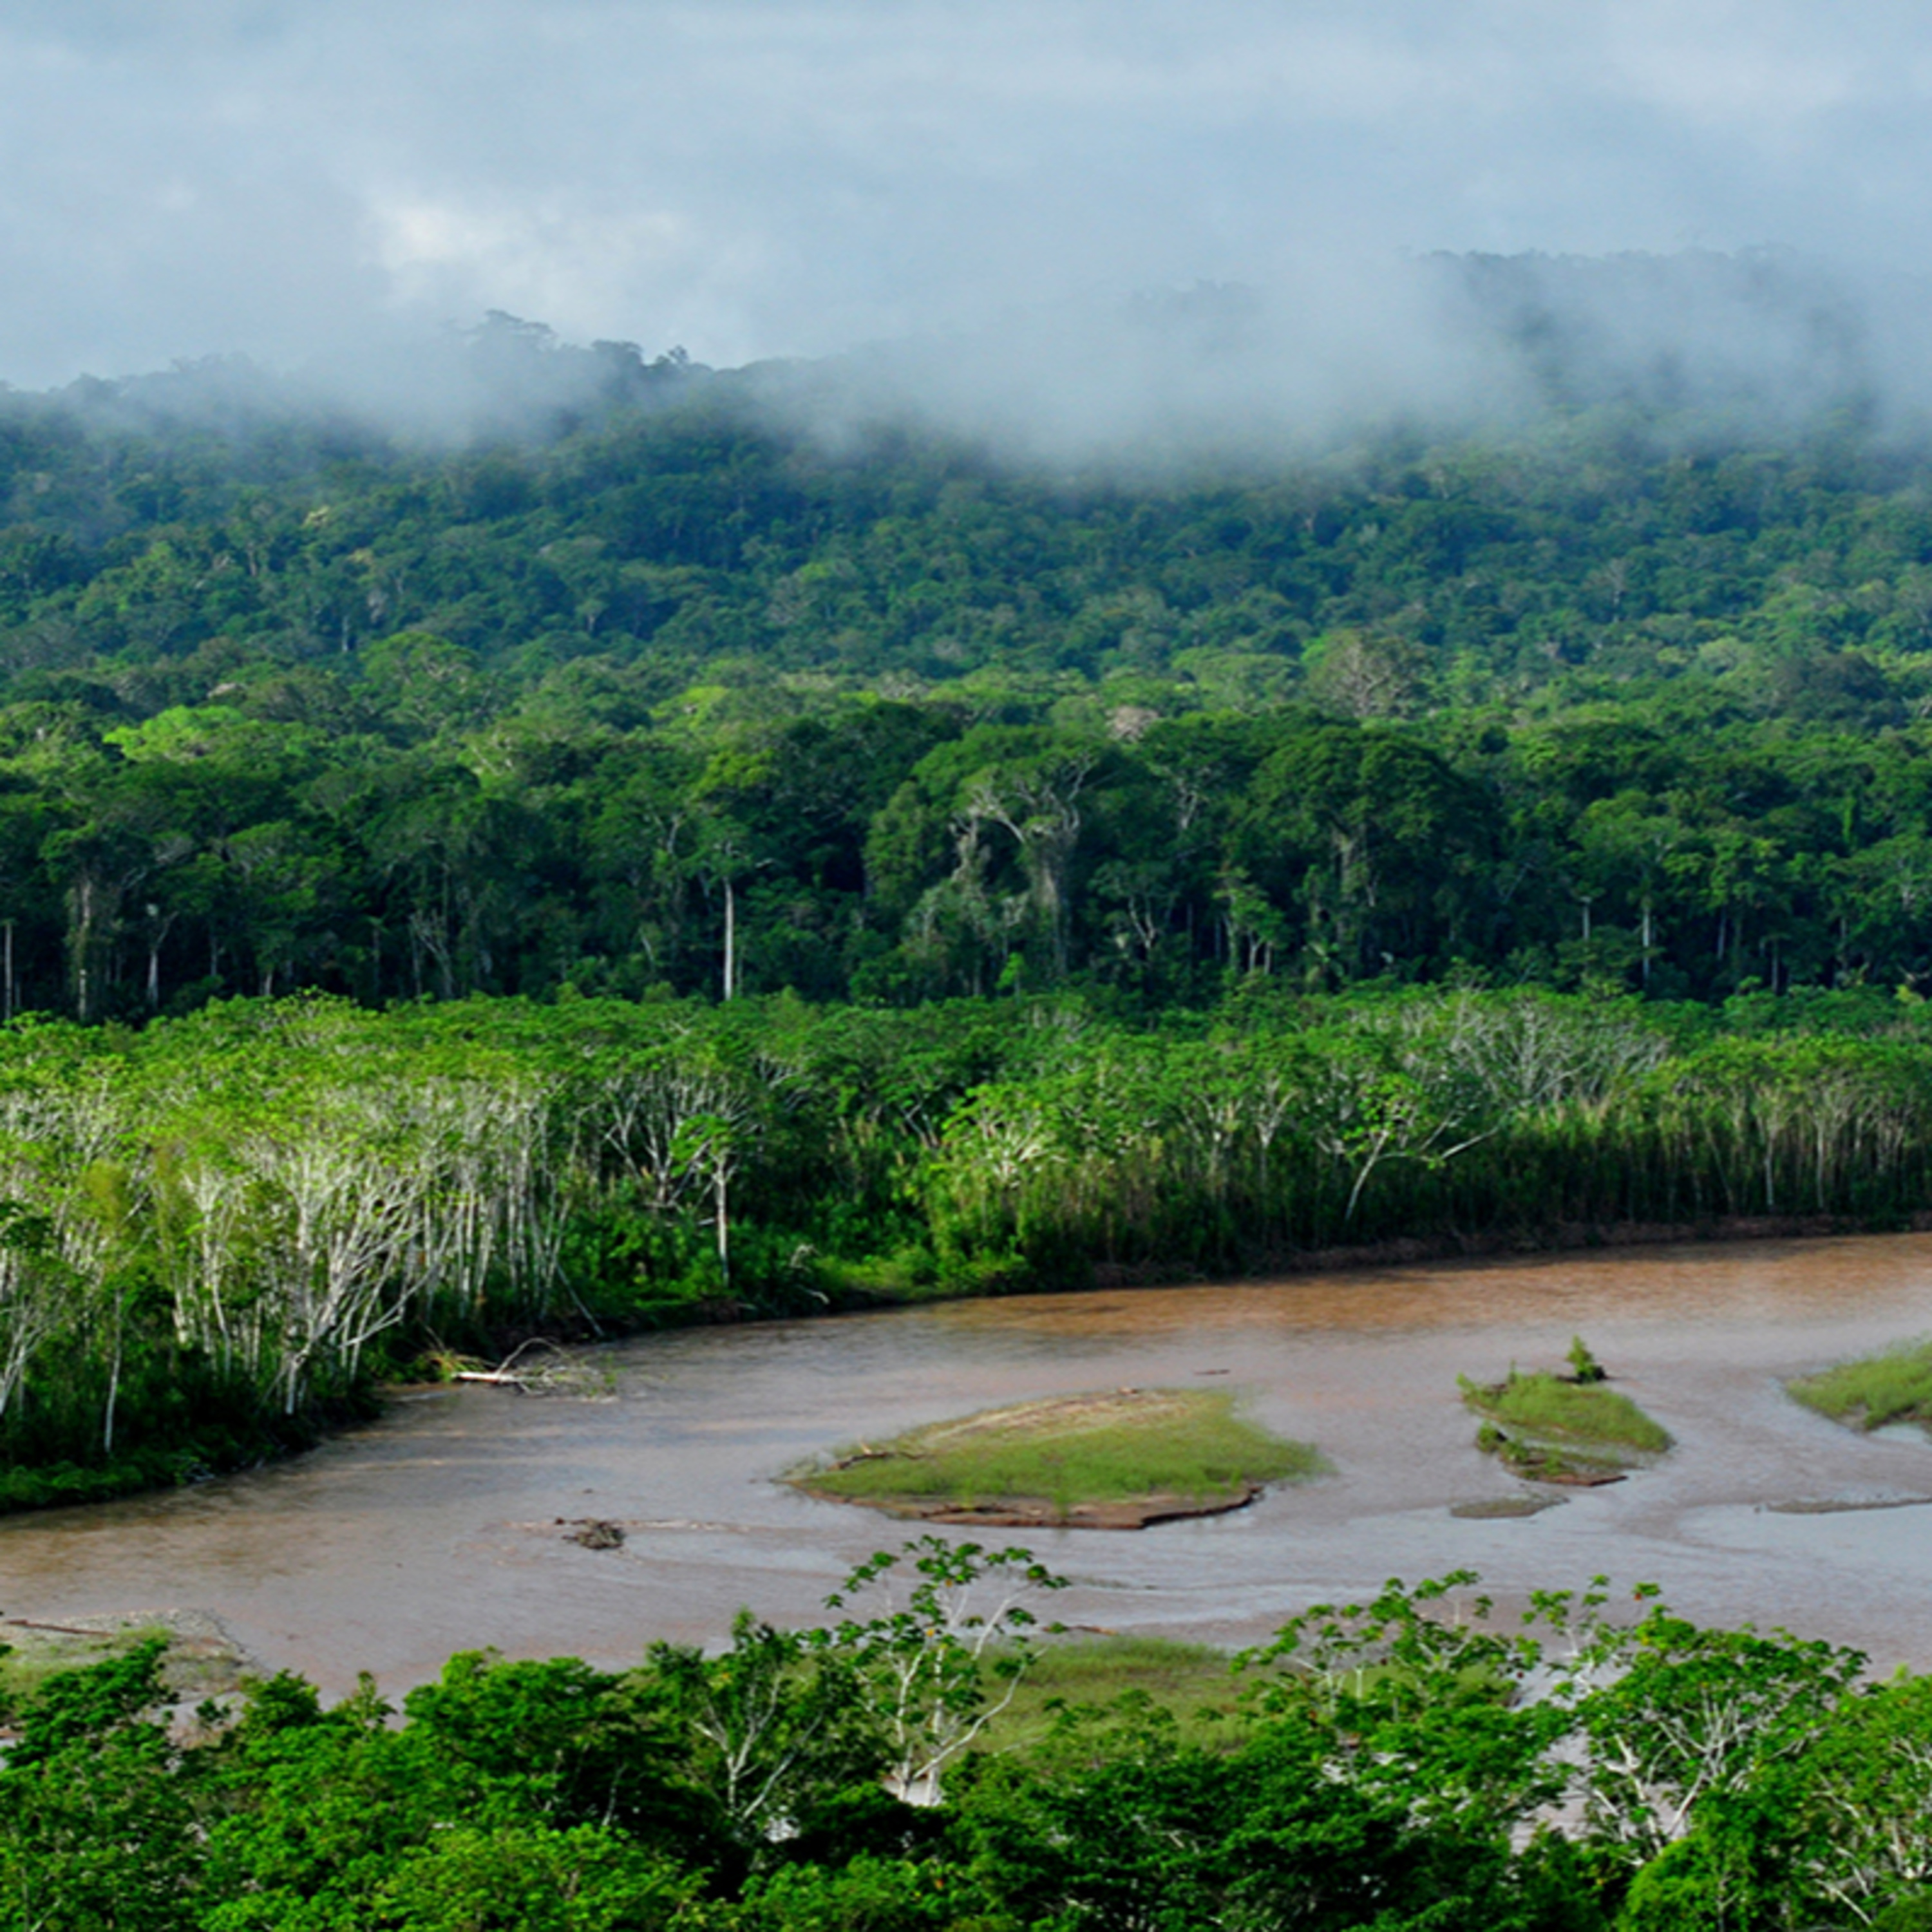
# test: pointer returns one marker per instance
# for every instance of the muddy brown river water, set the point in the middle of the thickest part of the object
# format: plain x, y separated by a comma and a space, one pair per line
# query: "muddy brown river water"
436, 1528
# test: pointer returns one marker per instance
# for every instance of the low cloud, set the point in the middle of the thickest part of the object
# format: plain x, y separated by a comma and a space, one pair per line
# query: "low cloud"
310, 181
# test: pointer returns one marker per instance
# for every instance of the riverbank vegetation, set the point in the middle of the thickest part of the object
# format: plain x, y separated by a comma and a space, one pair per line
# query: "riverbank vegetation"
1893, 1386
197, 1658
1193, 1683
1117, 1460
218, 1232
1401, 1763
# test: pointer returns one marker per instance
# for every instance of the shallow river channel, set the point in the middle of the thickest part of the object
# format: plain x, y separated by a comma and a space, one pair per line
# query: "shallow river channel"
437, 1528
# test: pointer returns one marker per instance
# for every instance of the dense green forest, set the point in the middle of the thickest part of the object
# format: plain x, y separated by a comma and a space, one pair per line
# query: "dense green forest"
1408, 1764
683, 693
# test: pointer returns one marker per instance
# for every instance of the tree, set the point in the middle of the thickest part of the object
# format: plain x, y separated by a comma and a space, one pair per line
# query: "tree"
938, 1663
774, 1723
1676, 1719
1421, 1702
1374, 840
1858, 1808
97, 1829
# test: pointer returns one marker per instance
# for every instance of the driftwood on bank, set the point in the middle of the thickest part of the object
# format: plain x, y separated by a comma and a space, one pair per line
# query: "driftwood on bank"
592, 1532
865, 1453
539, 1367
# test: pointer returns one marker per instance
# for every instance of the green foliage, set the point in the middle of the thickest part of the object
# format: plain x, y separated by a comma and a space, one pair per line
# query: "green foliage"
936, 1661
97, 1828
1604, 702
221, 1231
1584, 1366
531, 1878
73, 1708
1408, 1761
1420, 1700
867, 1894
1690, 1726
1201, 852
774, 1725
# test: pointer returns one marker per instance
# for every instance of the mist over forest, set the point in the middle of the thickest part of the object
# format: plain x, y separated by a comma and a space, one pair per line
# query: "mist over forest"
1699, 346
533, 683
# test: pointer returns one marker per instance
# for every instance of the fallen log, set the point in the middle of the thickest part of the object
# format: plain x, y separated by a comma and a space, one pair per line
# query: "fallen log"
864, 1453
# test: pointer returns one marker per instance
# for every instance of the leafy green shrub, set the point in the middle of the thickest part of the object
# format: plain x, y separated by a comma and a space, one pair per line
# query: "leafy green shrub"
1584, 1366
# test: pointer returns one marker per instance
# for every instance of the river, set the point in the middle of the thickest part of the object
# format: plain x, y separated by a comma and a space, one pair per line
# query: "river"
437, 1528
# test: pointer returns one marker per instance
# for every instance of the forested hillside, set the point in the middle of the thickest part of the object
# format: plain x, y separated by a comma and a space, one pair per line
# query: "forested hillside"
661, 687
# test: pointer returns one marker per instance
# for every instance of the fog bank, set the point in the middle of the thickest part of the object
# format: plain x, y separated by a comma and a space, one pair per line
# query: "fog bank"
1695, 348
306, 180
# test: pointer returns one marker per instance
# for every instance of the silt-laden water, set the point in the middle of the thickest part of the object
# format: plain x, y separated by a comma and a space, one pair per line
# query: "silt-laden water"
436, 1528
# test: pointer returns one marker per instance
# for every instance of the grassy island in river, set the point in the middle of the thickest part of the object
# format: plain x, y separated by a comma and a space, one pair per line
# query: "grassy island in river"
1894, 1385
1114, 1461
1551, 1428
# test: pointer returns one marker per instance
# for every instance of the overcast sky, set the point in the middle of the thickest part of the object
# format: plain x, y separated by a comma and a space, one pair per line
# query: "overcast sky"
751, 177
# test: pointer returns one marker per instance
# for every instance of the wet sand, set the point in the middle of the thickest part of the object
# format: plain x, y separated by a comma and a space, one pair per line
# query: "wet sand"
437, 1528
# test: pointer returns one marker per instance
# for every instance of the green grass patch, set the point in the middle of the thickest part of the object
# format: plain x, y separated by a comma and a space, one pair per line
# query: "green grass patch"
200, 1659
29, 1657
1893, 1386
1071, 1450
1195, 1682
1550, 1408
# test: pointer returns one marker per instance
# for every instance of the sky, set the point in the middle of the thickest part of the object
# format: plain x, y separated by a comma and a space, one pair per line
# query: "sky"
749, 178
